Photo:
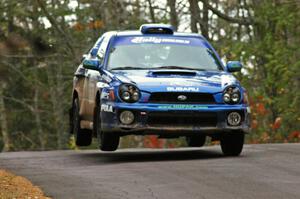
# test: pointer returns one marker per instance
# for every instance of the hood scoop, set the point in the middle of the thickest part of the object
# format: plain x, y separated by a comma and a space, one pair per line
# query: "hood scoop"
172, 73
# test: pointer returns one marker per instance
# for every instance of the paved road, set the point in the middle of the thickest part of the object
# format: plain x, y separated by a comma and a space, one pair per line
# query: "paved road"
263, 171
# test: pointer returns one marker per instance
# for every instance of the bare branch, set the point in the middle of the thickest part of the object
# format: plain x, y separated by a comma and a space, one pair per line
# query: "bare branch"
20, 73
28, 106
56, 26
244, 21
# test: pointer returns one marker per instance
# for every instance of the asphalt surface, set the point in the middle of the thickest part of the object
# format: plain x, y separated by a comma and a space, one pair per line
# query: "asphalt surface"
262, 171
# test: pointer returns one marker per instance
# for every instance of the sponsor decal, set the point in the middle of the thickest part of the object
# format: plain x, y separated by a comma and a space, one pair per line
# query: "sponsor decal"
227, 80
104, 95
172, 40
158, 40
106, 108
189, 83
106, 78
185, 83
183, 89
182, 97
182, 106
101, 85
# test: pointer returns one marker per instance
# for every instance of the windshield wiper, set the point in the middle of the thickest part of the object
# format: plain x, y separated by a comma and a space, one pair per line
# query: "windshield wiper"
128, 68
178, 67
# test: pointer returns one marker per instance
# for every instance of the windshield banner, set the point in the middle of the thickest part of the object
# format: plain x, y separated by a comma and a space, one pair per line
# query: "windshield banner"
158, 40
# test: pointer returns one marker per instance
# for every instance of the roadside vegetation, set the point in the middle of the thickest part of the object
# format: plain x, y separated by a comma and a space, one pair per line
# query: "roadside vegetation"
42, 42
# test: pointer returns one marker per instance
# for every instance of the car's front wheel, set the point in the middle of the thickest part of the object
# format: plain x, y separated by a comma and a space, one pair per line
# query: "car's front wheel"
232, 143
107, 141
83, 137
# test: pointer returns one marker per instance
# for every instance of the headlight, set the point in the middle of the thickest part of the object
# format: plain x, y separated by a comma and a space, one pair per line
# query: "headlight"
129, 93
125, 96
232, 95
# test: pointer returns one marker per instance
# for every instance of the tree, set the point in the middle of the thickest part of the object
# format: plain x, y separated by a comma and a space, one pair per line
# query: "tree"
42, 43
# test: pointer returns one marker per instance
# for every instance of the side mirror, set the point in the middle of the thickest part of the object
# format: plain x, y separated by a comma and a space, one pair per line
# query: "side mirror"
84, 56
234, 66
92, 64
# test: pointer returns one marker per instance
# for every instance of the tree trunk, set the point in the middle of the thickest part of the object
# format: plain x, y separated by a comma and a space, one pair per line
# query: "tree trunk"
37, 116
55, 81
54, 103
3, 120
151, 9
62, 139
193, 11
173, 13
204, 20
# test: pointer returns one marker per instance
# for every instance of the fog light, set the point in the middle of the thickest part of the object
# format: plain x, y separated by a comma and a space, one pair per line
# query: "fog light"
127, 117
234, 118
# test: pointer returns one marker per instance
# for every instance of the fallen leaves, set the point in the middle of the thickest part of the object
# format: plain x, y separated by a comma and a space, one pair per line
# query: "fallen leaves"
16, 187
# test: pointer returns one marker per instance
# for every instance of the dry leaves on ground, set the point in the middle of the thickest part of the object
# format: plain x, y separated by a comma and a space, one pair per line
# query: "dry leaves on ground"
15, 187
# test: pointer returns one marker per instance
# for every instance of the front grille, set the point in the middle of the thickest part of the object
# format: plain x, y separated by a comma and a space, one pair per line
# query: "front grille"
202, 119
191, 98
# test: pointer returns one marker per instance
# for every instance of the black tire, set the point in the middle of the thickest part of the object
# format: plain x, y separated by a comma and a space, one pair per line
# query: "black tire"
232, 143
196, 140
107, 141
83, 137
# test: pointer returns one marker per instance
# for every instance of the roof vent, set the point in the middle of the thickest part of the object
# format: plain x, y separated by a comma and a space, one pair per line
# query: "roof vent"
157, 29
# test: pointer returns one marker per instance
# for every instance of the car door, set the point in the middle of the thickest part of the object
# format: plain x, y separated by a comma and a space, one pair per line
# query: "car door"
92, 78
84, 84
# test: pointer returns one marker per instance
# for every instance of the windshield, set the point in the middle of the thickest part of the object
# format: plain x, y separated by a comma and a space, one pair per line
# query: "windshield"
161, 52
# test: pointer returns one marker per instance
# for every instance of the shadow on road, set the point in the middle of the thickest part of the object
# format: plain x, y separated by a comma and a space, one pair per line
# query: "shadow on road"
144, 156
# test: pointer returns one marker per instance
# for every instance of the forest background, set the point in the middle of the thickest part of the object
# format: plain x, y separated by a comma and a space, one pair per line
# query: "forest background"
42, 42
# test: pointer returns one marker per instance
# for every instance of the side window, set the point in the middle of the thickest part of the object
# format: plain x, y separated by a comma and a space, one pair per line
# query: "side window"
102, 49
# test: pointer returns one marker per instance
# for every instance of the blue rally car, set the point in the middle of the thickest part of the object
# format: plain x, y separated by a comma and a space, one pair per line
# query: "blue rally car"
159, 82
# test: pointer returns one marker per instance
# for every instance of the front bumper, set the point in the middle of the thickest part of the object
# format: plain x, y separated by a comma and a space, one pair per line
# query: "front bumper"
178, 119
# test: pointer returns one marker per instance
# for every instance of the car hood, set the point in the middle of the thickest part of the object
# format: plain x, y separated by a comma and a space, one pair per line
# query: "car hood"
177, 80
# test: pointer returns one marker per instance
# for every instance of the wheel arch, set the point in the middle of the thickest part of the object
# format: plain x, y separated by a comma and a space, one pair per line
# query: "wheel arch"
97, 104
74, 96
97, 98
